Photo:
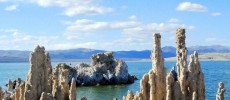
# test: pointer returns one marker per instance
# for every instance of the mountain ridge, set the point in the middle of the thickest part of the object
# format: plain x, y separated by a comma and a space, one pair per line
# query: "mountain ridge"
84, 53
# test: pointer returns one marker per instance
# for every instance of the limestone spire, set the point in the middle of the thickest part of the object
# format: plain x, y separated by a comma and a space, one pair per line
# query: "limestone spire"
181, 55
72, 91
152, 85
38, 75
185, 84
220, 92
181, 52
156, 56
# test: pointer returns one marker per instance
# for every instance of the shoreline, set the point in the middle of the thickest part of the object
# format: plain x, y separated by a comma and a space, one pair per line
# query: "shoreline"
171, 59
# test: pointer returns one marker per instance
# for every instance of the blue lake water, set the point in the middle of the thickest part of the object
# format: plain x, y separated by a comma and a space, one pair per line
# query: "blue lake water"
214, 72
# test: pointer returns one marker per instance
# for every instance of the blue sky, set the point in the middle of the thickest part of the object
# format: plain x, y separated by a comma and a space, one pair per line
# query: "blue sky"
110, 24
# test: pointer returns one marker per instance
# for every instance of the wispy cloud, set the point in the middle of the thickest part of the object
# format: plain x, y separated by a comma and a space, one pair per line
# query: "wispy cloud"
68, 45
92, 10
13, 37
216, 14
192, 7
210, 39
173, 20
11, 7
91, 25
131, 31
2, 0
133, 17
70, 7
75, 7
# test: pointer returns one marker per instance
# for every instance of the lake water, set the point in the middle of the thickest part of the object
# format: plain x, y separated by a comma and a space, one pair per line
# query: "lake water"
214, 72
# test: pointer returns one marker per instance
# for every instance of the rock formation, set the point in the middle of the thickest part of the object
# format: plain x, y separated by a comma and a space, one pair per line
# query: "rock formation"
220, 92
72, 91
42, 82
187, 83
45, 83
152, 85
1, 93
103, 70
38, 75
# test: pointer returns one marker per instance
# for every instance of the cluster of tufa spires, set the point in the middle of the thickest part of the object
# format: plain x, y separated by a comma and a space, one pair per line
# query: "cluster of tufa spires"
45, 83
187, 83
42, 82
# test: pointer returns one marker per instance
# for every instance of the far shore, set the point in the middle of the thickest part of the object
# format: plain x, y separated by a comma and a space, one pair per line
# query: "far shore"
202, 57
174, 59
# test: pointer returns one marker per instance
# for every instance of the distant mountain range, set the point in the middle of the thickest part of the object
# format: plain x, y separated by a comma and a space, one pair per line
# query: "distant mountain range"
83, 53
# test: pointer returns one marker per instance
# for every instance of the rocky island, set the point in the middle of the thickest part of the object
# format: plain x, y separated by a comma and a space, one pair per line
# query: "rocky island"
103, 70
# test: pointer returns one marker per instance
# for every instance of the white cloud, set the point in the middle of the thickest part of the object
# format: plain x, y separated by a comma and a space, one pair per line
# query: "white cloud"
70, 7
148, 29
210, 39
216, 14
2, 0
60, 3
133, 17
68, 45
77, 35
11, 7
90, 25
132, 33
92, 10
15, 39
75, 7
192, 7
173, 20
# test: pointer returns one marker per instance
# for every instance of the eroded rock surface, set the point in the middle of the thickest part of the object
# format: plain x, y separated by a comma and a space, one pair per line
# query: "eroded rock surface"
59, 83
220, 92
38, 75
42, 82
103, 70
152, 85
1, 93
187, 83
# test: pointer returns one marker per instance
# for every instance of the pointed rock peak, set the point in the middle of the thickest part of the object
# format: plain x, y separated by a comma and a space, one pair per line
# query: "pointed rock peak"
109, 53
157, 35
220, 92
180, 30
39, 49
195, 54
191, 58
157, 38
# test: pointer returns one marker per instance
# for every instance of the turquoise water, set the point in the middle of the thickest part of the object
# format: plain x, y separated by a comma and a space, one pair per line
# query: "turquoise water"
214, 71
